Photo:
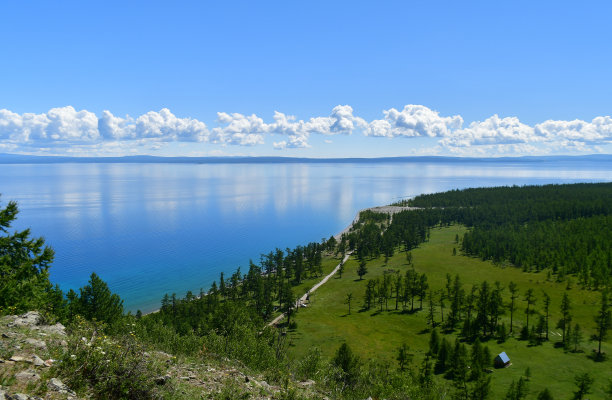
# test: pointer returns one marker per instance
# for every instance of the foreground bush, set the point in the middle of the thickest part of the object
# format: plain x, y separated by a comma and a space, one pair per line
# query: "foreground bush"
107, 368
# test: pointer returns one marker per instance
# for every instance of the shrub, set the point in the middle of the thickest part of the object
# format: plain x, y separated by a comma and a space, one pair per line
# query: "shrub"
109, 368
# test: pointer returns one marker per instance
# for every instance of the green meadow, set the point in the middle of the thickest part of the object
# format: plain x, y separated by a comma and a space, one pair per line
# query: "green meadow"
326, 323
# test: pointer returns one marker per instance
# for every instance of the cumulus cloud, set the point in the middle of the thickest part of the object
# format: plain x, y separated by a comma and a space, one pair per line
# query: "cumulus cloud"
85, 132
413, 120
493, 130
66, 126
598, 131
63, 125
162, 126
508, 135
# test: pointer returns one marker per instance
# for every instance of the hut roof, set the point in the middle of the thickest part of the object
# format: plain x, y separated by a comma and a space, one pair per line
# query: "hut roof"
503, 357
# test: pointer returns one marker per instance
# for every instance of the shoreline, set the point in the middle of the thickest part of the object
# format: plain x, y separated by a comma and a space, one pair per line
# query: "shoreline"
378, 209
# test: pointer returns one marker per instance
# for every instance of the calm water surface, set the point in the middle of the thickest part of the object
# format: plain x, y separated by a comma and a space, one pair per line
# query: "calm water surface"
150, 229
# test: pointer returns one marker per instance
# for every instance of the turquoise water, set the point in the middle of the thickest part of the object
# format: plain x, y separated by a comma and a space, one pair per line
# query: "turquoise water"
150, 229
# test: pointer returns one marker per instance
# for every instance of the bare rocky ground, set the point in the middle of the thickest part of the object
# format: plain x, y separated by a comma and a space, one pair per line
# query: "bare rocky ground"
29, 347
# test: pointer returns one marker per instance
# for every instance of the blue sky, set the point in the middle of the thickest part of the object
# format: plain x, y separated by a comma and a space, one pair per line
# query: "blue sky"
360, 78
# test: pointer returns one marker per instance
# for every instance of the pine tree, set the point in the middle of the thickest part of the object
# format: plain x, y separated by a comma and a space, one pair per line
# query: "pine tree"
97, 302
362, 270
431, 321
545, 395
403, 357
530, 299
349, 298
603, 320
513, 288
584, 382
566, 318
546, 312
24, 267
434, 343
576, 337
347, 363
517, 390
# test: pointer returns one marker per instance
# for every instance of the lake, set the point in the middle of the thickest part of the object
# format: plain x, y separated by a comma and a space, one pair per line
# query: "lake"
151, 229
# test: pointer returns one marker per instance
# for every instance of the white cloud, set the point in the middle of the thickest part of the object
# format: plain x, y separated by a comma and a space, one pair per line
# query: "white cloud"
59, 125
413, 120
239, 129
294, 142
161, 126
65, 129
497, 136
493, 130
597, 131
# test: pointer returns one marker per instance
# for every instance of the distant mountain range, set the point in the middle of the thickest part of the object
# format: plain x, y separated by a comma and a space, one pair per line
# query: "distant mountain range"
29, 159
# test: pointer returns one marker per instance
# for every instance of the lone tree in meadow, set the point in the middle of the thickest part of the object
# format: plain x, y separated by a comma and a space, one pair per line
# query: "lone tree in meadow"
566, 319
403, 357
362, 270
349, 298
347, 363
513, 288
584, 382
530, 299
602, 321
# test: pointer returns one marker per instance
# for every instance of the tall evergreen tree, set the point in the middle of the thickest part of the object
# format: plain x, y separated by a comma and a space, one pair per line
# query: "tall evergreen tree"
530, 299
546, 312
566, 318
603, 320
24, 266
97, 302
513, 288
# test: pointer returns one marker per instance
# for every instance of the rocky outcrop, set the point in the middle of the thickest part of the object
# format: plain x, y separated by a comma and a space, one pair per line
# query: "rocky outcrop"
29, 340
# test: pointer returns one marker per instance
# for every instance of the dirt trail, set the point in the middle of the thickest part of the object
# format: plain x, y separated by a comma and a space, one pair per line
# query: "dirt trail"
302, 299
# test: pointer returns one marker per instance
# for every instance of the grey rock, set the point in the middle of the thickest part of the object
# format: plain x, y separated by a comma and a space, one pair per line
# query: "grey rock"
162, 380
39, 344
58, 386
18, 359
2, 395
19, 396
37, 361
29, 375
29, 319
57, 329
9, 335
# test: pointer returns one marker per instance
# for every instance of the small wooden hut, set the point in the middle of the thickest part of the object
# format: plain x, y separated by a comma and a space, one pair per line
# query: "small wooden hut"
502, 360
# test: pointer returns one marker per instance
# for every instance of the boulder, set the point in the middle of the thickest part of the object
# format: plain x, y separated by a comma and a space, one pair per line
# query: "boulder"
18, 359
57, 329
27, 376
39, 344
37, 361
27, 320
58, 386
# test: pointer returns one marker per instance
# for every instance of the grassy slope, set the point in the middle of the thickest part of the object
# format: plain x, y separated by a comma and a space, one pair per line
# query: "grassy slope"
378, 334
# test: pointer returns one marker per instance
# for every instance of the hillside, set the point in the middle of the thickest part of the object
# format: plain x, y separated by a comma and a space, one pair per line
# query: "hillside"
38, 360
430, 294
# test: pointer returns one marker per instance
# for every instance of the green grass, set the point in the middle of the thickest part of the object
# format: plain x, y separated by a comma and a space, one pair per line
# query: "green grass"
372, 334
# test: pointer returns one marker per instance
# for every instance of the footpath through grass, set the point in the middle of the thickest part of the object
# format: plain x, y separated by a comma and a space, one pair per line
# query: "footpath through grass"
377, 334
